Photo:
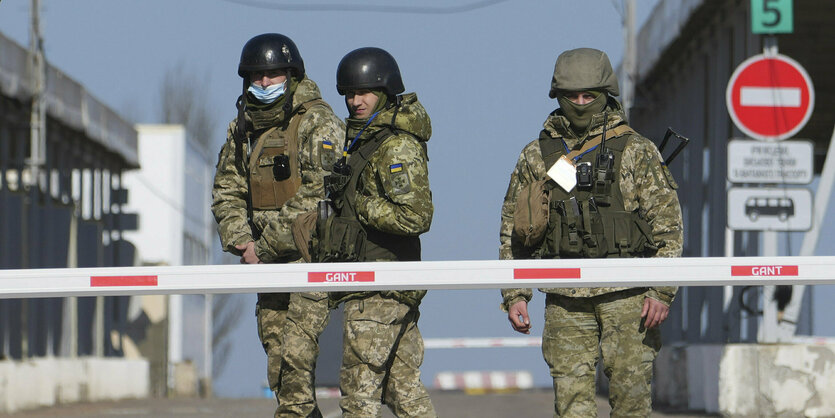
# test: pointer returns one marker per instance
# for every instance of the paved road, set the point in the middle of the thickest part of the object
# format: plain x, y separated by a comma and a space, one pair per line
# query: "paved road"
529, 403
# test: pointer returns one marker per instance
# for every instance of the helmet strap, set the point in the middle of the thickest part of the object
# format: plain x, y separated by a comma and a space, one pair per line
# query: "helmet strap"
240, 126
288, 100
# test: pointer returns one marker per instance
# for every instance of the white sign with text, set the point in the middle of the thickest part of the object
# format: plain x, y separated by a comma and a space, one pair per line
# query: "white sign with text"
787, 162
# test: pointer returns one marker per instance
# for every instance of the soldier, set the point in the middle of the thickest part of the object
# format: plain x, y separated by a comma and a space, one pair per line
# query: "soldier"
601, 198
271, 169
380, 194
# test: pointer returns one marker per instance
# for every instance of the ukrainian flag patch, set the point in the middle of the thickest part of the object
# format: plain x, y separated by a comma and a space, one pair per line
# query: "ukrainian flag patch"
327, 145
396, 168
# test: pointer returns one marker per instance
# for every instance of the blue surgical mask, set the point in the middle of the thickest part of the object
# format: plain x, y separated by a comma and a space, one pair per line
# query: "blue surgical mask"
267, 94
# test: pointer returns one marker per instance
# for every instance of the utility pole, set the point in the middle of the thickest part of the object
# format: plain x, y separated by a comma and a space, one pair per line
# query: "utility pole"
37, 134
37, 153
630, 55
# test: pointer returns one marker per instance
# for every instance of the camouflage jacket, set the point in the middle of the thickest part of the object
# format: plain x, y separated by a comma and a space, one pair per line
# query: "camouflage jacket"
645, 183
393, 193
320, 136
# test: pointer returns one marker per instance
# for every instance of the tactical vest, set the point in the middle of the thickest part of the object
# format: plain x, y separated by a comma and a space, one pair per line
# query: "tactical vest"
345, 238
590, 221
273, 166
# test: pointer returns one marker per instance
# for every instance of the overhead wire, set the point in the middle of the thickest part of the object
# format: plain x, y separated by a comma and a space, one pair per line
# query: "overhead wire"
335, 7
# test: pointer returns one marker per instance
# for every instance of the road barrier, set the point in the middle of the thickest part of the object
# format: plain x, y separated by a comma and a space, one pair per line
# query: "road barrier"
705, 271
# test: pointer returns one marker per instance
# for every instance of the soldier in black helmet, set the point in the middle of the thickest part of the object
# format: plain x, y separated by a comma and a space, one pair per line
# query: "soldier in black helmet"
271, 169
380, 194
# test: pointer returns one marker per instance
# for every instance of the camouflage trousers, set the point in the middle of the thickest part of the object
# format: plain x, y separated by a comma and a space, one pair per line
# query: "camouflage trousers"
289, 325
382, 353
578, 330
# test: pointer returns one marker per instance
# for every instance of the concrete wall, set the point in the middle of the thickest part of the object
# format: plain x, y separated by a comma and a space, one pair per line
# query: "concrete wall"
777, 380
748, 380
50, 381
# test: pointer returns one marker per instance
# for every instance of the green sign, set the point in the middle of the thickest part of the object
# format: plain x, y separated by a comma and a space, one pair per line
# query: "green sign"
771, 16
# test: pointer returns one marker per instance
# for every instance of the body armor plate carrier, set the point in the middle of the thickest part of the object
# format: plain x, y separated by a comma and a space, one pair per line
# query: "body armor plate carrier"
591, 220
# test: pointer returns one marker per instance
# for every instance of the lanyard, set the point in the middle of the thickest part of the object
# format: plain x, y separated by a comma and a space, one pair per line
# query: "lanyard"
577, 158
351, 145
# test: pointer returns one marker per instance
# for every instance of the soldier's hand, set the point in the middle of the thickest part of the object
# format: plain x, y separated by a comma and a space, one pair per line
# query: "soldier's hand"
517, 314
654, 313
248, 256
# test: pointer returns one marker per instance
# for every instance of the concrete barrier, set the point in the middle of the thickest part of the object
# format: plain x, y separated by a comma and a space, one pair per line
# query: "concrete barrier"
777, 380
44, 382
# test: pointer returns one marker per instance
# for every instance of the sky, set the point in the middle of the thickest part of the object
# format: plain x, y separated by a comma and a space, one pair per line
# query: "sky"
483, 75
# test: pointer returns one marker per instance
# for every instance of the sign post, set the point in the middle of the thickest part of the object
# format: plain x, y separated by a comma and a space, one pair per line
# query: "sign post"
770, 97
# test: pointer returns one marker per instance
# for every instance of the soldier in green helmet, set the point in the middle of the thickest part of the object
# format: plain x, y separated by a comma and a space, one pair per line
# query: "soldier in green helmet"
271, 169
381, 202
607, 194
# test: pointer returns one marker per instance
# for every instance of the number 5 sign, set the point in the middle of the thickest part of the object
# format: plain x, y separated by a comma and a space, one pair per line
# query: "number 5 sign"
771, 16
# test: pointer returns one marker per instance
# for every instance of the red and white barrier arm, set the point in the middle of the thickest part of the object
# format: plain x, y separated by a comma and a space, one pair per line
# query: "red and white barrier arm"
708, 271
498, 342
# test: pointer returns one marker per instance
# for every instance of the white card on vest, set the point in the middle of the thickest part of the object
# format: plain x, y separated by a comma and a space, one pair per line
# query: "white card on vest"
564, 172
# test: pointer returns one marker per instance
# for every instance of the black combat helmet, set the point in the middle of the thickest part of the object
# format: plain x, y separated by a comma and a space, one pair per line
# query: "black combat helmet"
369, 68
270, 51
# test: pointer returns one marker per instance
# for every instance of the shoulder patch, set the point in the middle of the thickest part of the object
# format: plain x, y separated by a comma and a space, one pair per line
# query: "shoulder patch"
328, 155
399, 178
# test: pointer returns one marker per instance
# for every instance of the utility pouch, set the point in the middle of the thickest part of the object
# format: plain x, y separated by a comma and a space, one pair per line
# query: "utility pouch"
631, 235
343, 240
302, 229
530, 218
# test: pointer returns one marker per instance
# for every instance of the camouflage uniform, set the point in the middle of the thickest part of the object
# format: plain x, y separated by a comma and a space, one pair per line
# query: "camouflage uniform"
288, 324
579, 320
383, 348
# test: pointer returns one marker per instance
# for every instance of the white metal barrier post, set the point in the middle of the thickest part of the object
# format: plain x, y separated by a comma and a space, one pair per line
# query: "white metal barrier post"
707, 271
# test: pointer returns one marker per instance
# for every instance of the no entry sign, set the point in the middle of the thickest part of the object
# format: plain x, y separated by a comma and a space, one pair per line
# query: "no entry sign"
770, 98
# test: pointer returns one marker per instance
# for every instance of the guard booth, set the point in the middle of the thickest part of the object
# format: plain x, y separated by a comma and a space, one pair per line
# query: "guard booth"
686, 53
63, 211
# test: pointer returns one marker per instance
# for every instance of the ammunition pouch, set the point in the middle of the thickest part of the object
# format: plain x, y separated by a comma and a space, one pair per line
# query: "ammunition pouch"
343, 239
586, 230
631, 235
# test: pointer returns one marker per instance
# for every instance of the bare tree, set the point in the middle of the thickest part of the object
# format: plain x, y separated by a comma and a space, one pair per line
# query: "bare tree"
187, 106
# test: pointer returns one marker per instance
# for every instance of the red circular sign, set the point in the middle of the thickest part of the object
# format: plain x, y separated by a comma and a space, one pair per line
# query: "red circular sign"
770, 97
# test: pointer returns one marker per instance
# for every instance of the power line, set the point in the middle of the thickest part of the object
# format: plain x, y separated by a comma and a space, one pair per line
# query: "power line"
332, 7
